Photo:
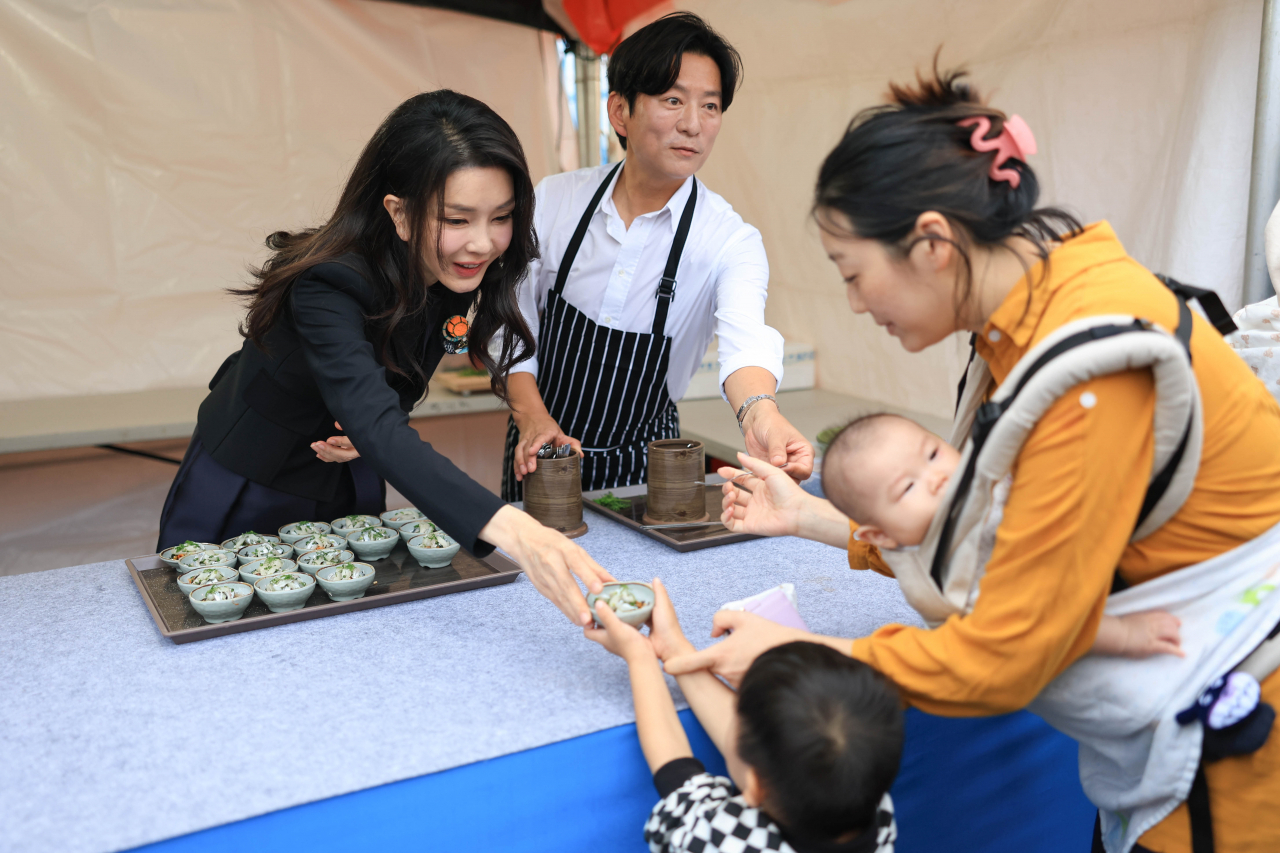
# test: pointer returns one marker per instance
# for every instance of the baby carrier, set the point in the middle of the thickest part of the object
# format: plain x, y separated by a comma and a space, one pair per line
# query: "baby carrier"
1145, 727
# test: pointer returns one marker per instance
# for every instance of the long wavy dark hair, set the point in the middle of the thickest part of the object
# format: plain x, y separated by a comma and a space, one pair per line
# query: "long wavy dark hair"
909, 156
422, 142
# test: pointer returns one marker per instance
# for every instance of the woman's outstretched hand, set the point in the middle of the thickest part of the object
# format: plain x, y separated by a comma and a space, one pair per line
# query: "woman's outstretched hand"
749, 637
337, 448
549, 559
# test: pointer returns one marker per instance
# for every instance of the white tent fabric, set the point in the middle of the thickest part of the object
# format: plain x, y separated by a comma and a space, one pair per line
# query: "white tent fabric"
148, 147
1143, 110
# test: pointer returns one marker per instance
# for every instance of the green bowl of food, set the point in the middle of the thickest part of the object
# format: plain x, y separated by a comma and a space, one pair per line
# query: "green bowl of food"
235, 543
291, 533
349, 524
205, 559
397, 517
172, 556
632, 601
190, 581
319, 542
221, 602
422, 526
434, 550
373, 543
253, 572
253, 553
285, 592
312, 561
346, 582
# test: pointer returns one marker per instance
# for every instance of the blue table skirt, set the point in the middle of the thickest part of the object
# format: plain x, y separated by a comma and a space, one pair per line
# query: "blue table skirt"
986, 785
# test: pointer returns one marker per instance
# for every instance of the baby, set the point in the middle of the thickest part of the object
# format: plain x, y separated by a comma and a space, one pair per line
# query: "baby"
812, 740
889, 474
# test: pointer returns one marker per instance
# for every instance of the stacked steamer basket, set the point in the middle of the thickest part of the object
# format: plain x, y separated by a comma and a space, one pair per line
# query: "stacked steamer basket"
553, 494
676, 473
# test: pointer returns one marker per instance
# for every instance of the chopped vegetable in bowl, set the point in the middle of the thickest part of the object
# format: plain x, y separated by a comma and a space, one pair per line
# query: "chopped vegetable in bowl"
357, 522
308, 527
435, 540
269, 566
247, 538
211, 558
327, 557
286, 583
424, 526
222, 593
624, 600
374, 534
407, 514
188, 547
347, 572
317, 543
266, 549
205, 576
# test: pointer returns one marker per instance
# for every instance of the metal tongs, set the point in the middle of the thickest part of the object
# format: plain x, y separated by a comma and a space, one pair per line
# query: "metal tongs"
549, 452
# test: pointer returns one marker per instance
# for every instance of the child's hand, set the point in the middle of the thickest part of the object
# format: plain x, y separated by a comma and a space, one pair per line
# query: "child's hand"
1153, 632
664, 628
617, 636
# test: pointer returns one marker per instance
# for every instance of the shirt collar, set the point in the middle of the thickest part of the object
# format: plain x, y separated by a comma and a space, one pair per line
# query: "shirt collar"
674, 205
1014, 323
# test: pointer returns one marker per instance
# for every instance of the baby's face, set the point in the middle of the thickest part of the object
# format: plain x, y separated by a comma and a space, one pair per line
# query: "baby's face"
901, 478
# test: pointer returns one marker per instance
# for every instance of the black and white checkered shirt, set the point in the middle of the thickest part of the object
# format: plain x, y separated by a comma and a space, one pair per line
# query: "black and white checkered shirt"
702, 813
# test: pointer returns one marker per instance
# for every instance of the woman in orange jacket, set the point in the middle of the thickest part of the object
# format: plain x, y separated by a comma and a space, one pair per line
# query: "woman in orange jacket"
934, 230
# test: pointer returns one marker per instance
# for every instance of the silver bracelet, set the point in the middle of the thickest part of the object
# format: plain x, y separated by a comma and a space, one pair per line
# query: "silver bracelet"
751, 401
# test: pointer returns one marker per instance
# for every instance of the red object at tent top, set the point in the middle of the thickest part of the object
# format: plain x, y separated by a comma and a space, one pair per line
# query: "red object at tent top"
600, 22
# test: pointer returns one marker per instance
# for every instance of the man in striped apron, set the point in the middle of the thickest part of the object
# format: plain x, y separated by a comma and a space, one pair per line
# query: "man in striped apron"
641, 264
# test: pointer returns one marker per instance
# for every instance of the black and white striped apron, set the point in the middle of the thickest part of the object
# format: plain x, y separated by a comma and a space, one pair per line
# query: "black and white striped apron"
605, 387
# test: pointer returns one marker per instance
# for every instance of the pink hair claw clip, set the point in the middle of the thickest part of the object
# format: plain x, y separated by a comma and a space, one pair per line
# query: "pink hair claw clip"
1015, 140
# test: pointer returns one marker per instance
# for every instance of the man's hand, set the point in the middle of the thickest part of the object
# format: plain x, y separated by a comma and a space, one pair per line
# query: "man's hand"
771, 437
549, 560
535, 431
337, 448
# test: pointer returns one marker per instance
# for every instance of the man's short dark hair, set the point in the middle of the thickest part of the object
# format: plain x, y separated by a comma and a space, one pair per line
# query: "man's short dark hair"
824, 732
648, 62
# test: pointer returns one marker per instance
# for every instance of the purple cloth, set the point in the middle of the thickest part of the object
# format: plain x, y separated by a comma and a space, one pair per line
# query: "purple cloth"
775, 606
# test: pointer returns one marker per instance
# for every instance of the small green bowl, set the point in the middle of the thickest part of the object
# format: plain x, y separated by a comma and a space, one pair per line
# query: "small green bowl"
642, 591
422, 526
261, 551
249, 571
433, 558
166, 556
310, 562
215, 612
226, 574
204, 559
235, 543
374, 549
348, 590
396, 518
319, 542
283, 601
290, 533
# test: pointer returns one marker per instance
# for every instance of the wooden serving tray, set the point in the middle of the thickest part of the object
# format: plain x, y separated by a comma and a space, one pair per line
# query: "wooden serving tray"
397, 578
687, 539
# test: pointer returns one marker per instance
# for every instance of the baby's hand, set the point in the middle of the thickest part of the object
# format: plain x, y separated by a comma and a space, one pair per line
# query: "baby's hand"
1153, 632
617, 636
664, 628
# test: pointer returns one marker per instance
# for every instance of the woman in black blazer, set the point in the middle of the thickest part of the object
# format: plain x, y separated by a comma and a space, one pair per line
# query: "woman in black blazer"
345, 324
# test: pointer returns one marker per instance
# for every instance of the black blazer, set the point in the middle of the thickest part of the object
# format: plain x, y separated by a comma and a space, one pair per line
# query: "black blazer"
319, 365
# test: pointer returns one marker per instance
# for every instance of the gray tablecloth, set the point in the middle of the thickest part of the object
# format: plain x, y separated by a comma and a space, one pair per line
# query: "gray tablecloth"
110, 733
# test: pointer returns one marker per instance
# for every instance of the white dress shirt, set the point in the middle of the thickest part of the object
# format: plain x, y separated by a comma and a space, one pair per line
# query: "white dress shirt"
721, 284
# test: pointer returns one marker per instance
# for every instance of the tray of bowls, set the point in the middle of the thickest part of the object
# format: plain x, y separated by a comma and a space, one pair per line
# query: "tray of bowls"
306, 570
679, 505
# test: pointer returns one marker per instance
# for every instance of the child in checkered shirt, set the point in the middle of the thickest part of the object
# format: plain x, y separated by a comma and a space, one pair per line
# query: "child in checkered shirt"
812, 740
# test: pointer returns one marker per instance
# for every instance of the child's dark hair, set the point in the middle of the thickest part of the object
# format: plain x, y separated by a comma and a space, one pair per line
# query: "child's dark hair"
910, 156
824, 733
648, 61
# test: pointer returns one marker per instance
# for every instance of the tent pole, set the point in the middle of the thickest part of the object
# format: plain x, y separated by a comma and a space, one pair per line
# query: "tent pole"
587, 65
1264, 177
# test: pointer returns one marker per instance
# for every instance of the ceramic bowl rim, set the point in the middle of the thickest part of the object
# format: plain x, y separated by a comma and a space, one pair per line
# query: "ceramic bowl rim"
283, 591
455, 543
334, 524
191, 595
300, 552
421, 515
318, 550
269, 537
260, 544
246, 566
213, 546
280, 530
232, 553
373, 573
602, 596
182, 575
395, 535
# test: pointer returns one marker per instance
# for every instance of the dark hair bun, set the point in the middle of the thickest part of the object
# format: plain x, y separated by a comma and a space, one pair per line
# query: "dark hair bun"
940, 90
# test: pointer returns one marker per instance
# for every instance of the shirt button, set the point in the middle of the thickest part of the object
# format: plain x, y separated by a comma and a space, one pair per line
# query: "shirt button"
608, 321
993, 335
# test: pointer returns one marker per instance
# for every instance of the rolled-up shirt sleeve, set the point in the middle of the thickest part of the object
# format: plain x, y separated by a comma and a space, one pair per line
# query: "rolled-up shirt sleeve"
353, 384
742, 286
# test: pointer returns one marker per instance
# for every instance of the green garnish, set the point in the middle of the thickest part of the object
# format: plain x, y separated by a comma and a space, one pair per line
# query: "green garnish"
609, 501
827, 434
471, 371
